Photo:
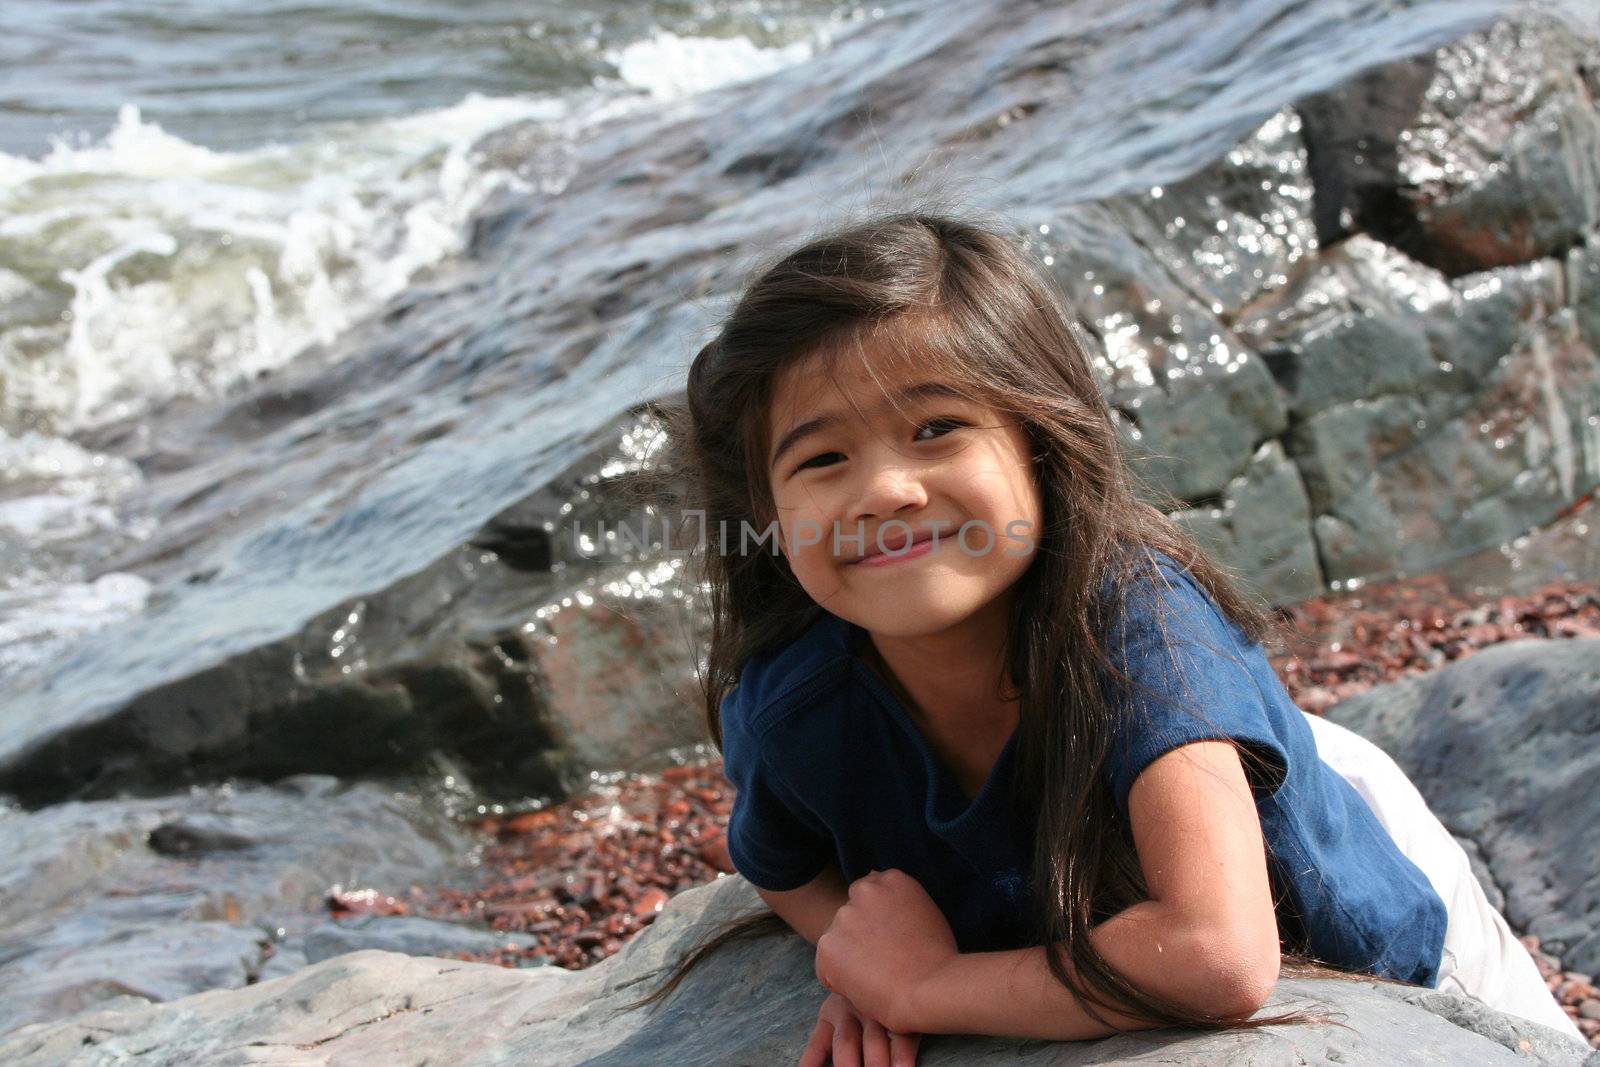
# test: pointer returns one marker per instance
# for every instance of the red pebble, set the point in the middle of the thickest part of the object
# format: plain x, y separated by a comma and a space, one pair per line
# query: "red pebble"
528, 822
650, 902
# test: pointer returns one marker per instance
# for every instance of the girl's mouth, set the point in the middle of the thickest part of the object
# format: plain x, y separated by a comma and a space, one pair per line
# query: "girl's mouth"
898, 555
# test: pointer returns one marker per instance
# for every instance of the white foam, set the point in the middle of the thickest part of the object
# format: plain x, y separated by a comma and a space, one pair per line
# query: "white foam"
37, 621
33, 459
190, 269
669, 67
182, 270
58, 504
53, 517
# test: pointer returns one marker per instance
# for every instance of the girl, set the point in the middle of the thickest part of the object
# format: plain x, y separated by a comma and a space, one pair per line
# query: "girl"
1006, 745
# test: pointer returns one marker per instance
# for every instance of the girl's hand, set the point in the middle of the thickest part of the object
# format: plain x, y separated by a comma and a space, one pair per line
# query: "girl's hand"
886, 939
856, 1040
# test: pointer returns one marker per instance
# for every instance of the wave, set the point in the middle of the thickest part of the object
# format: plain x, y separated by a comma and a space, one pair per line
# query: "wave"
143, 266
140, 267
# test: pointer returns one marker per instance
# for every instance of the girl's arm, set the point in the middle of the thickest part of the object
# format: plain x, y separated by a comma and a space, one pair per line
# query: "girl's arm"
842, 1032
810, 909
1208, 937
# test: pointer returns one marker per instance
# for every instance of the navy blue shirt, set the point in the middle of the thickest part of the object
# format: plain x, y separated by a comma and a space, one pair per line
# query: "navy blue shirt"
828, 765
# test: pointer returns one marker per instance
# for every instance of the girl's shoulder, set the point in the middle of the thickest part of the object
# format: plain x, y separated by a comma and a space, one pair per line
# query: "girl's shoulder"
1152, 564
1163, 612
790, 675
1153, 583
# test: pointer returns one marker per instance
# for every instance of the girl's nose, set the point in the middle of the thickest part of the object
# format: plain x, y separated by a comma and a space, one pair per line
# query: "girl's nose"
888, 489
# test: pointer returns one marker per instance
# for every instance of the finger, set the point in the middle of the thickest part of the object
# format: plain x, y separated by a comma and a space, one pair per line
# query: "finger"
903, 1050
847, 1043
816, 1051
874, 1043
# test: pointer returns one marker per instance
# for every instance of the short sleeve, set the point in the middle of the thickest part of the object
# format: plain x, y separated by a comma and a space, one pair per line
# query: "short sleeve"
1190, 680
774, 842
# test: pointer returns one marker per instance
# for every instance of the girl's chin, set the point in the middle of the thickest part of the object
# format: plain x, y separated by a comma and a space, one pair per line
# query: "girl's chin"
909, 617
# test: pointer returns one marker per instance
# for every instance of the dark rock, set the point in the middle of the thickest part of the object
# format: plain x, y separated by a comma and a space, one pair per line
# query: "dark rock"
1352, 135
202, 833
1485, 154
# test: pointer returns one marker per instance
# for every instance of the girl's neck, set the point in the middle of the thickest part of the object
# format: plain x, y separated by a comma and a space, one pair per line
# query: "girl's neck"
953, 683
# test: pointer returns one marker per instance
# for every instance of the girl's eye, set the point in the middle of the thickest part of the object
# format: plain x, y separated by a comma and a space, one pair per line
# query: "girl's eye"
812, 462
944, 424
941, 426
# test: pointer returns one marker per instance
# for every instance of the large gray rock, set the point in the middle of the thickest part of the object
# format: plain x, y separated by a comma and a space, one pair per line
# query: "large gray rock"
1528, 183
410, 935
1484, 315
1337, 449
1523, 449
1454, 415
1200, 428
1154, 275
1583, 282
1357, 356
159, 898
752, 1003
1503, 746
1263, 529
1350, 326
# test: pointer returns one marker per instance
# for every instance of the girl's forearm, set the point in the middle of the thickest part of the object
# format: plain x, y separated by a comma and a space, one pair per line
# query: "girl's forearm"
1013, 994
810, 909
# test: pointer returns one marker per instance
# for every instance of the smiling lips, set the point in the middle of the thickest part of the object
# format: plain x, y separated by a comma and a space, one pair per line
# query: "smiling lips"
919, 545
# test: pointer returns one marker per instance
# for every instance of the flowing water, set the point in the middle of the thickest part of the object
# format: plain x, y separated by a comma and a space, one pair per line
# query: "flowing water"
196, 194
193, 192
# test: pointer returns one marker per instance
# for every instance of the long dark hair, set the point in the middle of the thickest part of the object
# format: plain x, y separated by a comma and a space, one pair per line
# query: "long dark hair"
963, 302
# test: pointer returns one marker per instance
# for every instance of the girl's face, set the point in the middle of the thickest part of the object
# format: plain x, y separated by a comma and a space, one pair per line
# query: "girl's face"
856, 482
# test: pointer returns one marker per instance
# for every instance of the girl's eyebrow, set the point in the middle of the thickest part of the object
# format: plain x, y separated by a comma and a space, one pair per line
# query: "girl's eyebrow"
814, 425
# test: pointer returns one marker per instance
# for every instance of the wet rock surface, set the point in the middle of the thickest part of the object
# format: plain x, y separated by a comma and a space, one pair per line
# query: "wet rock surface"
159, 898
410, 935
373, 1006
1386, 149
498, 656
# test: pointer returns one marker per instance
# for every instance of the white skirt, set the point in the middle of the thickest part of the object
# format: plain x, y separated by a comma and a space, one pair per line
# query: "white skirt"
1482, 957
